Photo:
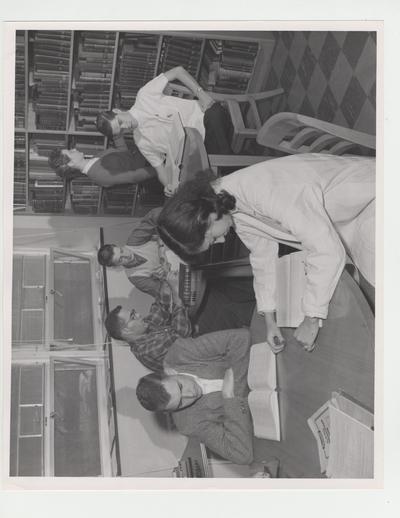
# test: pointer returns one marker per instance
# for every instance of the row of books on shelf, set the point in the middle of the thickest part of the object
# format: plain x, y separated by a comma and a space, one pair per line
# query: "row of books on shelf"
92, 77
227, 66
50, 78
50, 195
177, 51
20, 80
136, 67
223, 66
47, 195
85, 196
89, 146
19, 196
120, 199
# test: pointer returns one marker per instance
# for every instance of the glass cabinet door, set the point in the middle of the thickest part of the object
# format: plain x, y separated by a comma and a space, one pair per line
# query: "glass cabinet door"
27, 420
75, 419
72, 299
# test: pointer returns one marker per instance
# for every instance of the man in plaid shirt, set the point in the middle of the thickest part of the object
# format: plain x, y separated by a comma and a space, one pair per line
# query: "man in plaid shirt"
150, 337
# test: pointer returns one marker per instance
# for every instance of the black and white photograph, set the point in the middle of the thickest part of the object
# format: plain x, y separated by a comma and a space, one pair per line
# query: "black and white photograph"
193, 254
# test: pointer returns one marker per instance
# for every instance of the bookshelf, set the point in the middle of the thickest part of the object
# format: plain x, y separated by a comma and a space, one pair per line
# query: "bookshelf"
64, 78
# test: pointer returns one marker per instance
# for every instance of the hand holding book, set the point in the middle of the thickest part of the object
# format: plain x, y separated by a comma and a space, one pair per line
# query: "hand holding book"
307, 333
274, 335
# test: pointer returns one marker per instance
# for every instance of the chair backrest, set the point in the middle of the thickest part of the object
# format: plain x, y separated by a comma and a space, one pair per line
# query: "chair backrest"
293, 133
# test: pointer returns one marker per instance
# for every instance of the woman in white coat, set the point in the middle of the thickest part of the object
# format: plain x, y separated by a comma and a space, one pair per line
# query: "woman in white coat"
323, 204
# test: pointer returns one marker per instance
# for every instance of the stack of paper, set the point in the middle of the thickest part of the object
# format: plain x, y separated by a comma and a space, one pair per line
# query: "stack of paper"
344, 432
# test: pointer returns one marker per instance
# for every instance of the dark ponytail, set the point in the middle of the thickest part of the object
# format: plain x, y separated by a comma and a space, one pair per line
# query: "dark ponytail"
225, 203
184, 220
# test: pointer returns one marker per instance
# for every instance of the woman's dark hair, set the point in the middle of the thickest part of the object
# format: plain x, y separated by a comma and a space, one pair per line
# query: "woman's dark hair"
103, 122
59, 162
151, 392
184, 220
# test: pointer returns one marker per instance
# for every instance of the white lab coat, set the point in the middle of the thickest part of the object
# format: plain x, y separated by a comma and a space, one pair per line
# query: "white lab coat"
306, 201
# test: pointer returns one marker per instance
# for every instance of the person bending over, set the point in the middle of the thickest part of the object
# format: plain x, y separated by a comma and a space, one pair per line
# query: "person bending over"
151, 118
150, 337
113, 166
321, 203
204, 386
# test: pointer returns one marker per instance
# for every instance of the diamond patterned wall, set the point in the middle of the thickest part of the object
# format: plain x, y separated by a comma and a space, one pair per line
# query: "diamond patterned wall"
328, 75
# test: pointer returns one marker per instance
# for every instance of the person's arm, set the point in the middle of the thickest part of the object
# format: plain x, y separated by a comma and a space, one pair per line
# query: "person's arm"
166, 177
146, 229
186, 79
149, 285
274, 335
180, 320
325, 254
324, 262
159, 314
177, 318
164, 174
119, 142
263, 259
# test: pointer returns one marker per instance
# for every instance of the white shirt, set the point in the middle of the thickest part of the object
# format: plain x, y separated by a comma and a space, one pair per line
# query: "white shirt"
89, 164
154, 112
207, 386
149, 251
306, 201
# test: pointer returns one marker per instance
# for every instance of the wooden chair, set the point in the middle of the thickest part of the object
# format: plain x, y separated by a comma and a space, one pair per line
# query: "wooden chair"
244, 110
293, 133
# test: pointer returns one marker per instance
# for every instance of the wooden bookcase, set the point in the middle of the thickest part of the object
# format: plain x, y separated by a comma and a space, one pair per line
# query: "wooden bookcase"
64, 78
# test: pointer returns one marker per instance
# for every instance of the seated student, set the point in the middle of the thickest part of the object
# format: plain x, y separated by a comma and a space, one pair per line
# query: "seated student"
113, 166
142, 256
204, 385
150, 118
150, 337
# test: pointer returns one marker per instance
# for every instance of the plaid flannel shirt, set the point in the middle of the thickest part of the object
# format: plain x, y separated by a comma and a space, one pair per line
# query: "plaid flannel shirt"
165, 325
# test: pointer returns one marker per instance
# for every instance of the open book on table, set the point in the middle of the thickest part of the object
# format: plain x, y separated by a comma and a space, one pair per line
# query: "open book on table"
263, 396
344, 431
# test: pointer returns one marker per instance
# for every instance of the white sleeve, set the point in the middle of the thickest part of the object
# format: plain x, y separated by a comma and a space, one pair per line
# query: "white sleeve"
308, 221
263, 258
155, 159
154, 87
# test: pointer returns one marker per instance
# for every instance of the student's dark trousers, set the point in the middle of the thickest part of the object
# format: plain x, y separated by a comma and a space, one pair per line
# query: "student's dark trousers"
219, 130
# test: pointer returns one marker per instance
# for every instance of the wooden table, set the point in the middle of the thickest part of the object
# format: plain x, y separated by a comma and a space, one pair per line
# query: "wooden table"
343, 359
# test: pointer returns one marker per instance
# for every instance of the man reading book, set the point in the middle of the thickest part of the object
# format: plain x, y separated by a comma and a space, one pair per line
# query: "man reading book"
204, 385
149, 338
151, 120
